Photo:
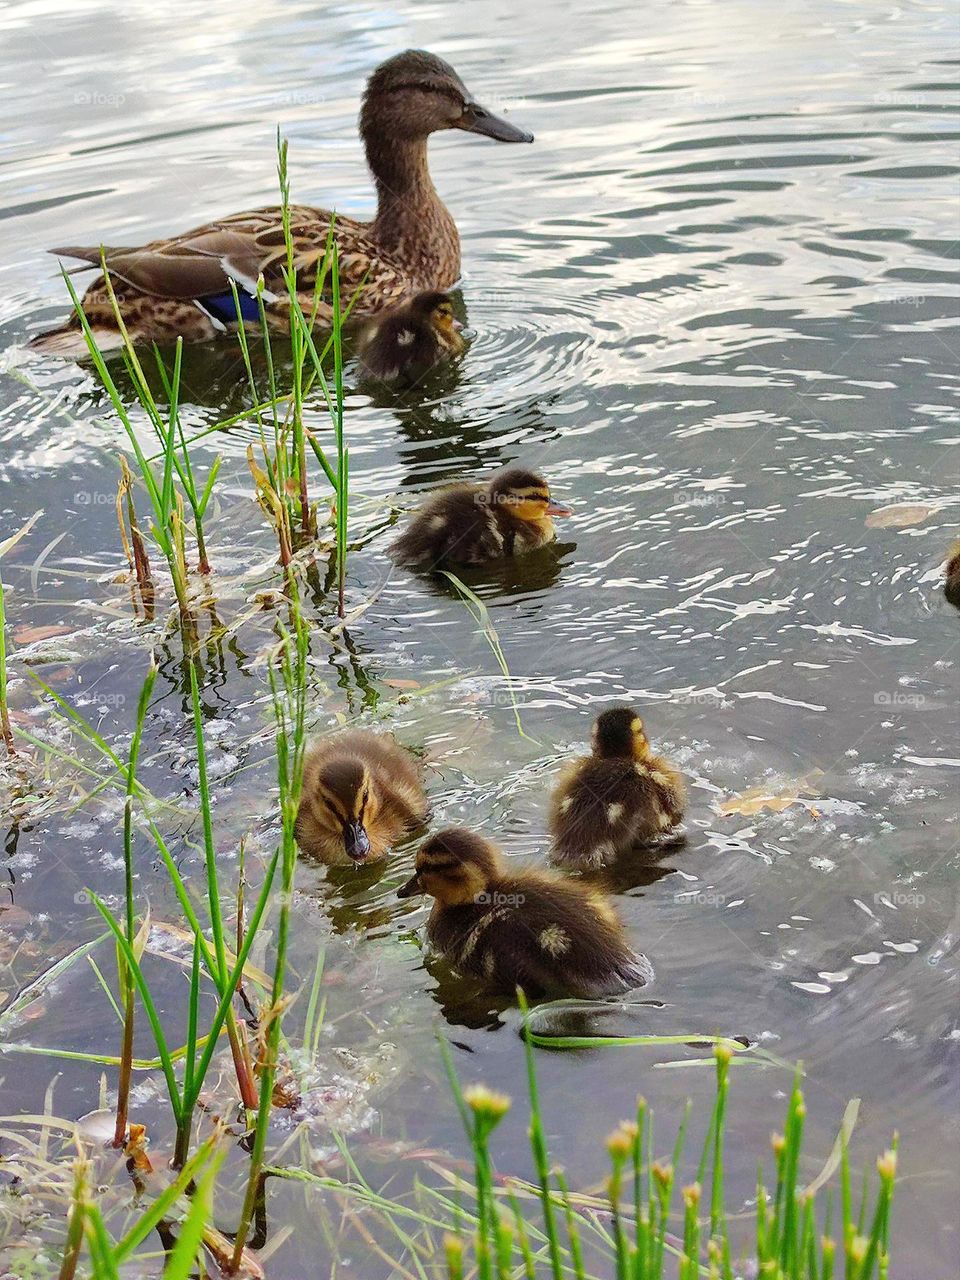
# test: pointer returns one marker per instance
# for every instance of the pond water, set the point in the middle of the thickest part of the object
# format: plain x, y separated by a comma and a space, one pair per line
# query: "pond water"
716, 303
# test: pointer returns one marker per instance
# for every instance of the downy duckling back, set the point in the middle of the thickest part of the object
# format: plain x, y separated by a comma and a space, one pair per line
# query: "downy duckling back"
404, 344
474, 524
532, 929
619, 796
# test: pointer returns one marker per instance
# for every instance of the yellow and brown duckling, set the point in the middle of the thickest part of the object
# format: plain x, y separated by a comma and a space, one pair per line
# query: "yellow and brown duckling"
362, 792
616, 798
477, 523
532, 929
181, 286
951, 585
404, 344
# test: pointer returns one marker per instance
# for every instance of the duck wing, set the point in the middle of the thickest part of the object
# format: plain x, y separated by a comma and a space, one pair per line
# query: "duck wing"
240, 248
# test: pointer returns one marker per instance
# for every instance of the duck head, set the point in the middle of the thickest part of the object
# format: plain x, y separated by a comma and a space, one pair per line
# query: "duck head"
619, 732
455, 866
524, 495
343, 805
415, 93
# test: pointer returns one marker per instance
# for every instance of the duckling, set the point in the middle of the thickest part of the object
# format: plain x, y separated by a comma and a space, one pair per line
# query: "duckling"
951, 586
406, 343
532, 929
361, 793
476, 523
180, 285
619, 796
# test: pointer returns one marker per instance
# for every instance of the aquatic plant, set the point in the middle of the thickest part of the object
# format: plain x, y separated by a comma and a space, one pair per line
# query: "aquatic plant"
6, 731
280, 474
282, 480
646, 1239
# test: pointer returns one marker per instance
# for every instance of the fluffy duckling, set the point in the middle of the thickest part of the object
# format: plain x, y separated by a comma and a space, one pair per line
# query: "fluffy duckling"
474, 523
361, 793
951, 586
619, 796
532, 929
406, 343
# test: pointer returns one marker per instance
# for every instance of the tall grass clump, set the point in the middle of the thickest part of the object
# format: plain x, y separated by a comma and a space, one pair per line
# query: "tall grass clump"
185, 1056
656, 1225
166, 495
281, 472
6, 730
280, 468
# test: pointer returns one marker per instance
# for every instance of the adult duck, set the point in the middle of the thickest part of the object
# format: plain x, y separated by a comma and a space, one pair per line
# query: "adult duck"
181, 286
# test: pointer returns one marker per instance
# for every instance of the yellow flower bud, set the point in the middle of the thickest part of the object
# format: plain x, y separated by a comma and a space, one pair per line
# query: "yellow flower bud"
691, 1195
486, 1102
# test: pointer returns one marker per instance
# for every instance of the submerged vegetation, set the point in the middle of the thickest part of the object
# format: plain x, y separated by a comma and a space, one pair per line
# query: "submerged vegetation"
223, 1050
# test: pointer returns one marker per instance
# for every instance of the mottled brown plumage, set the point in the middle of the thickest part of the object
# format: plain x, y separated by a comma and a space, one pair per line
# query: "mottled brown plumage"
474, 523
529, 929
616, 798
362, 792
164, 288
402, 345
951, 585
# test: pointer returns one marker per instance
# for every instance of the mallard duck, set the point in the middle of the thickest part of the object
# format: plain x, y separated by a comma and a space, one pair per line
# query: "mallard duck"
361, 793
615, 798
951, 585
181, 285
532, 929
475, 523
405, 343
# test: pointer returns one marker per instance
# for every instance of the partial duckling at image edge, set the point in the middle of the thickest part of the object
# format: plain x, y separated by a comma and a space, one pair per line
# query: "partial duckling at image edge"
951, 585
362, 792
616, 798
403, 345
477, 523
532, 929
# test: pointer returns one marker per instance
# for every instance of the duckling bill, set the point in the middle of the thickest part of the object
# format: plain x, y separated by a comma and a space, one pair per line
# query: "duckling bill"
616, 798
477, 523
533, 929
361, 793
403, 345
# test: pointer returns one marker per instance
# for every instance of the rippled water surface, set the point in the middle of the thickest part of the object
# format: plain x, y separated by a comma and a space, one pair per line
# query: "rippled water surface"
716, 302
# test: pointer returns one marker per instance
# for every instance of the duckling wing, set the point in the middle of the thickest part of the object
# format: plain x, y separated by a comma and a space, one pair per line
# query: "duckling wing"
454, 527
604, 807
558, 941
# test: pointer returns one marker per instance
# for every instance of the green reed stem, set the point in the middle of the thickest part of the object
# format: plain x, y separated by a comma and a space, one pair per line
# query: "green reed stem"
6, 730
289, 706
126, 981
538, 1145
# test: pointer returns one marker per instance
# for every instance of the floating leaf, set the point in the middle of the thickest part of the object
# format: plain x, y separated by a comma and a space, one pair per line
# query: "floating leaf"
900, 514
27, 635
776, 798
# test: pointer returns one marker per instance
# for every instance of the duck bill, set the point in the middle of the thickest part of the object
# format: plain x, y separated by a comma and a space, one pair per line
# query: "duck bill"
411, 888
478, 119
557, 509
356, 841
